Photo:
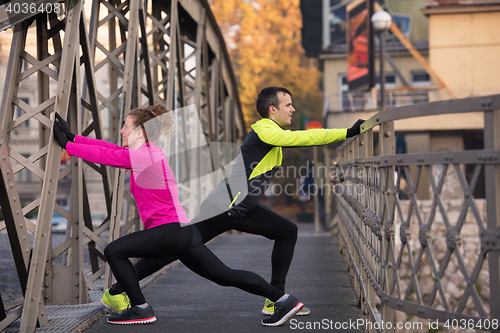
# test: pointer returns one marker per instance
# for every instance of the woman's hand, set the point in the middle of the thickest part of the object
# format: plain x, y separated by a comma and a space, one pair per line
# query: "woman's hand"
63, 126
61, 138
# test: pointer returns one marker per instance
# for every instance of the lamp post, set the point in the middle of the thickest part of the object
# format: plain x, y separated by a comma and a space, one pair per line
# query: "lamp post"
381, 21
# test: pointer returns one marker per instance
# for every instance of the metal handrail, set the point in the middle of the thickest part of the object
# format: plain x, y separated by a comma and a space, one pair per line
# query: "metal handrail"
392, 245
472, 104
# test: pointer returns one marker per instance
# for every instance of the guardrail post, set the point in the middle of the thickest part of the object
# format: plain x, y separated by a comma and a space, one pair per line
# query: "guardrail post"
364, 143
348, 155
492, 179
354, 172
387, 143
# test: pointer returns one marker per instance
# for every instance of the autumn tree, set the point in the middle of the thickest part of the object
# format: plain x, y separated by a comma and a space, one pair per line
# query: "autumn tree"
263, 38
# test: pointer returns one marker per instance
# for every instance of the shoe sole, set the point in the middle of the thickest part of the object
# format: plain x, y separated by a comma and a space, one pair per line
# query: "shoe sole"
303, 313
134, 321
267, 313
300, 313
286, 317
109, 306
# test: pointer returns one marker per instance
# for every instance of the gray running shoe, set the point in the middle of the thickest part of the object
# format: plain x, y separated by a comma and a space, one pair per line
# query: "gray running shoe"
134, 315
283, 312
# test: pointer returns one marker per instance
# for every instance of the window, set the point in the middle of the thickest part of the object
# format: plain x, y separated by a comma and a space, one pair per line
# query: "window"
350, 101
390, 82
360, 100
343, 90
63, 203
18, 112
24, 175
420, 79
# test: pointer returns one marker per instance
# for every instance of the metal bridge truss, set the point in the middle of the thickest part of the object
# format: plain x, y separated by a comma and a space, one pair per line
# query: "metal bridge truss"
169, 52
404, 254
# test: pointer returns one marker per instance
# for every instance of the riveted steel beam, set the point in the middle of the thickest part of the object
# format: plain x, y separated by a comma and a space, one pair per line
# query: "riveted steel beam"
22, 225
189, 64
492, 178
41, 247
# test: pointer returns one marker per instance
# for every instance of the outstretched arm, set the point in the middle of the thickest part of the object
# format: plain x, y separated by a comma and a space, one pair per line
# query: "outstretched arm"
61, 129
95, 142
92, 150
115, 157
313, 137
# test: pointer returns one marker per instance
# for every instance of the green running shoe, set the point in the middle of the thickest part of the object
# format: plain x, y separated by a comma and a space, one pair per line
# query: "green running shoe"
118, 302
268, 309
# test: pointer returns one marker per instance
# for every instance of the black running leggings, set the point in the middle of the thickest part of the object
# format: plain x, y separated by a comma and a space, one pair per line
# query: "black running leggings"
186, 244
258, 221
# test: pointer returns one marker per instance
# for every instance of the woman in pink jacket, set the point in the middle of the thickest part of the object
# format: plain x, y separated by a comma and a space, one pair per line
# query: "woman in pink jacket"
154, 188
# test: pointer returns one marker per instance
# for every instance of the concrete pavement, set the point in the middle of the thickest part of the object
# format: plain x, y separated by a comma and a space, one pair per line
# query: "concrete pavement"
185, 302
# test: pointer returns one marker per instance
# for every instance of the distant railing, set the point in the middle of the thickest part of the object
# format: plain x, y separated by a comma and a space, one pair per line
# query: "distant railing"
436, 259
394, 97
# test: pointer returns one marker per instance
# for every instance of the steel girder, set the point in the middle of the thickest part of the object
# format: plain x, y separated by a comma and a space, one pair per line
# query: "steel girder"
169, 52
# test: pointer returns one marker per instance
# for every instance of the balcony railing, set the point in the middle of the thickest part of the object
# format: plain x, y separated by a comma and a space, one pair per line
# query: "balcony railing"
364, 101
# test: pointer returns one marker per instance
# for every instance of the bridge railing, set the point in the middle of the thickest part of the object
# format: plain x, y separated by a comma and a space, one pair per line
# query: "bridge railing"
436, 258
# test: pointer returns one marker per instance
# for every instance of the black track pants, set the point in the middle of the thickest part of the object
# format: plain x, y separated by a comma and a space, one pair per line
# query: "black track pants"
258, 221
186, 244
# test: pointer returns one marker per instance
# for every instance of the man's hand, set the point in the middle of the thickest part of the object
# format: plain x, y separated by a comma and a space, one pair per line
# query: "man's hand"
355, 129
63, 126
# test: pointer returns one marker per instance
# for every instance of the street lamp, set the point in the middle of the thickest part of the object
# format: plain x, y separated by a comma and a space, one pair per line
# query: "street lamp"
381, 21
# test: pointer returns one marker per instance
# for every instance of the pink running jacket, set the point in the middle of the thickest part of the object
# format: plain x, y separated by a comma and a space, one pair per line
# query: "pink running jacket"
152, 182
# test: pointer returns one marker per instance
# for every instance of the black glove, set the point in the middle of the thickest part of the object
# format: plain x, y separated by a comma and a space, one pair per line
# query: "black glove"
355, 129
60, 136
63, 126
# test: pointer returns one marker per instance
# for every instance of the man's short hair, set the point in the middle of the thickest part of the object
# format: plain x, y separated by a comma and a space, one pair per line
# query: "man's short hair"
267, 97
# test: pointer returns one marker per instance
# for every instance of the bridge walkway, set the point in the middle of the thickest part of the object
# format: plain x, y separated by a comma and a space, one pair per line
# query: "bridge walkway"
185, 302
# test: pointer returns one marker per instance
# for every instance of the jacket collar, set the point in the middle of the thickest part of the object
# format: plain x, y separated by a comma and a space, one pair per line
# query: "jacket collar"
266, 121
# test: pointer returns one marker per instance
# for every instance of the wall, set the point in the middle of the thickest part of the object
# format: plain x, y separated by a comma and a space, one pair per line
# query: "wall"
419, 29
464, 49
453, 279
335, 65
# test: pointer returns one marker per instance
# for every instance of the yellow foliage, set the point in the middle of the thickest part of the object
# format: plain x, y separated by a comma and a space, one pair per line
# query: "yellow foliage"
264, 41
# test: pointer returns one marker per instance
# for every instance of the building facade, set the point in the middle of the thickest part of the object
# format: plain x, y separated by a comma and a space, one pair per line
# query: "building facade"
457, 41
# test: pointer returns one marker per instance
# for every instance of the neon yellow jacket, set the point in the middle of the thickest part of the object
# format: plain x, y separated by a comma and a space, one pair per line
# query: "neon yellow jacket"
259, 157
272, 134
